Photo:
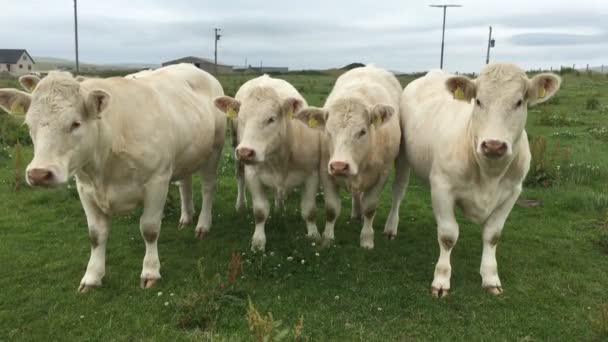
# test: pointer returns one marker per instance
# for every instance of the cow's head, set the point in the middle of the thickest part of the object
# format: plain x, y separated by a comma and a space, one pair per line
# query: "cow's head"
350, 126
63, 123
263, 120
501, 95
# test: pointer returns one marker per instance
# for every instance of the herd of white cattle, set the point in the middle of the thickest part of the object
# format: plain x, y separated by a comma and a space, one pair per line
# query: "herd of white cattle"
125, 139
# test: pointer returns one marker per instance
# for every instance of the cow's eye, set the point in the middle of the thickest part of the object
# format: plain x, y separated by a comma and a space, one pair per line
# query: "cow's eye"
75, 125
519, 103
271, 120
478, 102
362, 133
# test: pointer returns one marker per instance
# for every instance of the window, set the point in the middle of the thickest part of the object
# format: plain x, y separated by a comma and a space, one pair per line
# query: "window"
20, 66
29, 67
24, 58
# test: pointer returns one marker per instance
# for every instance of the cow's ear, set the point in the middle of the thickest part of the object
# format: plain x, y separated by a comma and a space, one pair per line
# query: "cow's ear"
15, 102
313, 117
542, 87
380, 114
29, 82
228, 105
461, 87
291, 106
96, 102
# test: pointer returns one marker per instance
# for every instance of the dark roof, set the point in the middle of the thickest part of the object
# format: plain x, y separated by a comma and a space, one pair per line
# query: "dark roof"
12, 56
192, 59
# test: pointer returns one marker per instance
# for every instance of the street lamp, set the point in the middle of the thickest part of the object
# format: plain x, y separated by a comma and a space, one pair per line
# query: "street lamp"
443, 30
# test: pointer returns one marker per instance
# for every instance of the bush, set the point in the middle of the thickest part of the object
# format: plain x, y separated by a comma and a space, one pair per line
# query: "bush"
13, 131
545, 170
592, 103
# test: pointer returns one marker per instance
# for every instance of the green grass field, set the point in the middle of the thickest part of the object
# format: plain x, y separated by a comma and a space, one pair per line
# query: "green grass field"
553, 259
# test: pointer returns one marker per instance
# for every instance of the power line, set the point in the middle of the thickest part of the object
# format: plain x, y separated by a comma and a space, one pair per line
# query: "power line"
443, 30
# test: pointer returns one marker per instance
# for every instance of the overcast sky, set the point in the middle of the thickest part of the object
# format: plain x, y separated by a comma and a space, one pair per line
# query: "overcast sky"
395, 34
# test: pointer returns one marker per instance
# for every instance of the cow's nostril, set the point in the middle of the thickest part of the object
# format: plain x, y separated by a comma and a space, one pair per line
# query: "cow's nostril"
245, 153
339, 166
40, 176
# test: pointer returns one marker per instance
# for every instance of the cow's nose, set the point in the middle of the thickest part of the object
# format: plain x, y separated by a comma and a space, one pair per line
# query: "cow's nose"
494, 148
245, 153
40, 176
338, 167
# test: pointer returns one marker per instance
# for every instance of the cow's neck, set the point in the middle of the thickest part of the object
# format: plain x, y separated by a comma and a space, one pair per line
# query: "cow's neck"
93, 168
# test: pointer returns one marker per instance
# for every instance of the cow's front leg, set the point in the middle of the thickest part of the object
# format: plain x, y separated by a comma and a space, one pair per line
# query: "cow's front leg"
369, 203
99, 228
491, 234
155, 196
332, 205
447, 235
261, 208
308, 206
187, 202
208, 184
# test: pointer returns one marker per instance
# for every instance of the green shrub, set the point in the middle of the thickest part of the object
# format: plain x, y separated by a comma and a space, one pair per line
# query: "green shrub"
592, 103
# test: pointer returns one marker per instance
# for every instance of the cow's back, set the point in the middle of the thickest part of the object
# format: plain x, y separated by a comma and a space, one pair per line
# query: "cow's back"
435, 124
164, 119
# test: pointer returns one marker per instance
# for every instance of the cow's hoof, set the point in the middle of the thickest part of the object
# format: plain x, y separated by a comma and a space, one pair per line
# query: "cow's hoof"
439, 293
494, 290
183, 222
84, 288
314, 236
147, 283
390, 235
367, 245
201, 233
258, 246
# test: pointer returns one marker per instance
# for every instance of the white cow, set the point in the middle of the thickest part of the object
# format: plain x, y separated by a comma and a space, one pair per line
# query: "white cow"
279, 153
467, 139
363, 132
124, 140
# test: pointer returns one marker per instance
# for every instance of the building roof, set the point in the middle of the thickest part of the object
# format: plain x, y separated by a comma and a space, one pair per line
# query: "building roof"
192, 59
11, 56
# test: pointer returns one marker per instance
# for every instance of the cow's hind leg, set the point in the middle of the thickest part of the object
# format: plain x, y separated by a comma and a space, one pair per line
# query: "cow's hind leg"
187, 202
99, 228
241, 198
491, 234
308, 206
369, 204
355, 211
400, 183
155, 196
208, 185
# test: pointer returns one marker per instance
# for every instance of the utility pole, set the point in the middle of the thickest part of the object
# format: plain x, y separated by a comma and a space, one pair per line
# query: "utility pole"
491, 43
76, 34
216, 37
443, 30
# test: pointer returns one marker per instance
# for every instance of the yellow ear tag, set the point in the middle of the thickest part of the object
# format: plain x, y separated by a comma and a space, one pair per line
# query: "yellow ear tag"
290, 114
378, 121
313, 123
541, 92
231, 114
17, 108
459, 94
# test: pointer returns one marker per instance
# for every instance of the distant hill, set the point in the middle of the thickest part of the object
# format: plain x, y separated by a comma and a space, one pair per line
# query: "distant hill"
52, 63
352, 66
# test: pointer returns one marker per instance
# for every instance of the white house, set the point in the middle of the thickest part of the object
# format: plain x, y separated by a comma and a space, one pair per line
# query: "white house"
16, 61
